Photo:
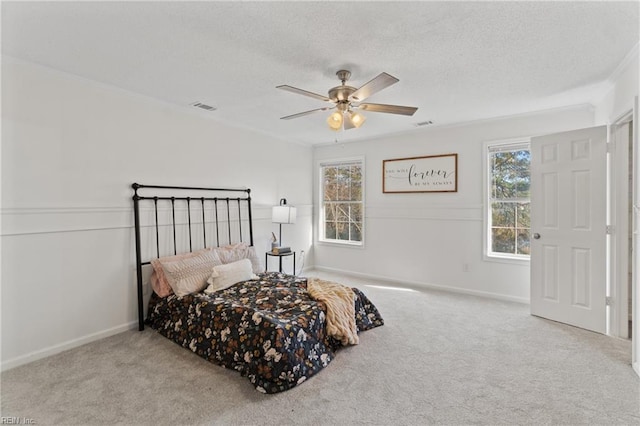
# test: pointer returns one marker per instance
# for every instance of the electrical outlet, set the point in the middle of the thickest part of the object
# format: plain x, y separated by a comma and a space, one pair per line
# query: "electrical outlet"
465, 267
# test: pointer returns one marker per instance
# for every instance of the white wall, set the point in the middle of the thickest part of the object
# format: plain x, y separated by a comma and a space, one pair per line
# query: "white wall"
70, 150
425, 239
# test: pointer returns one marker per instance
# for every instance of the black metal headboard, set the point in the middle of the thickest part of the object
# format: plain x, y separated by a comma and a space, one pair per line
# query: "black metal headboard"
223, 211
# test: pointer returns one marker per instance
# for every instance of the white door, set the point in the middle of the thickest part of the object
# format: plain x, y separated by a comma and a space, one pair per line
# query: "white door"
568, 227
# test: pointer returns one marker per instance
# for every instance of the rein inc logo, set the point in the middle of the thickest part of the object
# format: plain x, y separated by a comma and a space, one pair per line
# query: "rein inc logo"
6, 420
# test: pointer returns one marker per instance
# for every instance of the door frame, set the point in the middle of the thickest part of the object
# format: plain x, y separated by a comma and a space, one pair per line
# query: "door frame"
619, 260
619, 202
635, 306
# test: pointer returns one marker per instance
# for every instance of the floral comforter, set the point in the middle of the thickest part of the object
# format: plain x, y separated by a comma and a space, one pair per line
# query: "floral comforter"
268, 329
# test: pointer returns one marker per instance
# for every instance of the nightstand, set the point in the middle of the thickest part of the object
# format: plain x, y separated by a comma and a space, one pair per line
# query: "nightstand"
279, 256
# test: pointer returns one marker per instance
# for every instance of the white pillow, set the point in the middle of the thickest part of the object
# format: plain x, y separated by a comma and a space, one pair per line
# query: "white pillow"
224, 276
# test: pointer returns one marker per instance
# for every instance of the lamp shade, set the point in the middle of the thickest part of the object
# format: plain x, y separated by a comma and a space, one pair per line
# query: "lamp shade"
335, 121
283, 214
357, 119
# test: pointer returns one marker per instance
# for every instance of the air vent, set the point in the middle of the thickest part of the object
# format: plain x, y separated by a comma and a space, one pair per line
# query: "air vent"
203, 106
424, 123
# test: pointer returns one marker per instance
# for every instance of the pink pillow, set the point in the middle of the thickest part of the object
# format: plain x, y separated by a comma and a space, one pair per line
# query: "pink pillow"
160, 286
159, 282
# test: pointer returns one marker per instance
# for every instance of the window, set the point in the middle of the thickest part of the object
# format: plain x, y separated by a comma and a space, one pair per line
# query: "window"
509, 206
342, 202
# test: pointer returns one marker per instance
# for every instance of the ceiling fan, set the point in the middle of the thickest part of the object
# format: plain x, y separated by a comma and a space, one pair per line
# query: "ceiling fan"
347, 99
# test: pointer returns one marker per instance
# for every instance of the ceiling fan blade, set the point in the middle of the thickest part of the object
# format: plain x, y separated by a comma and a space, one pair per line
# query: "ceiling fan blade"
380, 82
300, 114
390, 109
303, 92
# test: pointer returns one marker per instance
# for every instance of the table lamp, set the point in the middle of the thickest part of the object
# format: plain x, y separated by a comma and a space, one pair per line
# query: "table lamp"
283, 213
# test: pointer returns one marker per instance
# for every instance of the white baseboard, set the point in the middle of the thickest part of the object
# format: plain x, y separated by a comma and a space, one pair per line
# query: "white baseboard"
422, 285
52, 350
636, 368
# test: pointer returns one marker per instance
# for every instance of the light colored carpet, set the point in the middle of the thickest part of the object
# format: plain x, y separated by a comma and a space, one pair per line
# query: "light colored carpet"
440, 358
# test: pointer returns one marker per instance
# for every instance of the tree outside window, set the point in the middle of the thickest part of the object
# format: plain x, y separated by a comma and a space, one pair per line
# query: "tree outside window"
509, 198
342, 207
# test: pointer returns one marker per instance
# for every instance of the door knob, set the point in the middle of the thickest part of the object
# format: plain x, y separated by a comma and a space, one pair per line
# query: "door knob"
536, 236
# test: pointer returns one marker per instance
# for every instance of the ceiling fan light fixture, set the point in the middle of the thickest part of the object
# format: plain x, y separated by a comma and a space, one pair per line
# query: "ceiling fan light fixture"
343, 98
357, 119
335, 121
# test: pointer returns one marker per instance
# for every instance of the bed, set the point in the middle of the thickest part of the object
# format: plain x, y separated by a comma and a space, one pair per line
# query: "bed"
273, 328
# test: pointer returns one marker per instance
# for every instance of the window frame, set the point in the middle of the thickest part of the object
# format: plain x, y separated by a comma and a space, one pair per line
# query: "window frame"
320, 169
488, 148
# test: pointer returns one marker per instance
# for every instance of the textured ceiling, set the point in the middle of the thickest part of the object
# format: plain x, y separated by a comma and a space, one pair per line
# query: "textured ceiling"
456, 61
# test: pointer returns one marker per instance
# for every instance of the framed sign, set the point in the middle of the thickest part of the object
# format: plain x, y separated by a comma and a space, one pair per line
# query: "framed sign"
434, 173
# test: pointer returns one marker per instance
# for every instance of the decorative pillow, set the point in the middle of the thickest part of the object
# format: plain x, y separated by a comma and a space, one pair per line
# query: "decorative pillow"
234, 252
189, 275
224, 276
160, 286
159, 282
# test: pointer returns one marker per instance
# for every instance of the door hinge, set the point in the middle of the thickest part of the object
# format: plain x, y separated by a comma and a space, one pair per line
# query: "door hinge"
610, 229
611, 146
608, 300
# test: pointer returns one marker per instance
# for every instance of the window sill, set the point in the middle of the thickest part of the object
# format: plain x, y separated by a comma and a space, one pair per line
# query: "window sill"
336, 243
511, 260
